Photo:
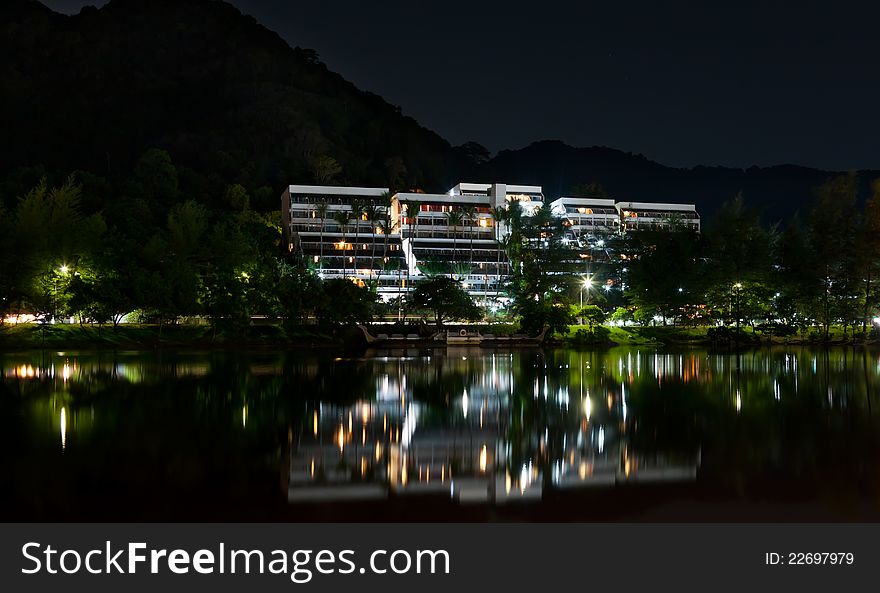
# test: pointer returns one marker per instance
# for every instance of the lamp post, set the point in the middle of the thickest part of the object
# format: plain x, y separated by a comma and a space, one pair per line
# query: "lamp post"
737, 287
585, 286
63, 271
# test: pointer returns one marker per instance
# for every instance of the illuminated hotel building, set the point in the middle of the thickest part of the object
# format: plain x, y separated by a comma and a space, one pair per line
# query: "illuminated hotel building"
413, 234
588, 220
366, 248
457, 233
635, 216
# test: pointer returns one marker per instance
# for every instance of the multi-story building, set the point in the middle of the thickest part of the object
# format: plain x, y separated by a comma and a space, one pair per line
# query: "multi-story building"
654, 216
458, 233
343, 232
367, 235
589, 220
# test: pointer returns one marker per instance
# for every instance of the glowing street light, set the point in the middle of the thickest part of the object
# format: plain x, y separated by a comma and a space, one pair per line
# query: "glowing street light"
63, 271
585, 286
738, 286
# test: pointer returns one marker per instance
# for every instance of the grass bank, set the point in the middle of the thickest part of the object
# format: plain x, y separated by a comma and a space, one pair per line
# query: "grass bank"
31, 335
670, 335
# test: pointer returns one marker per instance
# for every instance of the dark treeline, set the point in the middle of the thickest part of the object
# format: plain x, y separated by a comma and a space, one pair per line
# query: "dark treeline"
816, 270
97, 249
233, 103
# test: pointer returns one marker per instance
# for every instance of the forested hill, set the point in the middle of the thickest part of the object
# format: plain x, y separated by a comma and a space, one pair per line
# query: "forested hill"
232, 102
229, 99
777, 192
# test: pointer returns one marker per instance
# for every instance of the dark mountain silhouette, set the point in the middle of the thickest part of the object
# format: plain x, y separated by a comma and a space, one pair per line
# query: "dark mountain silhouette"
223, 94
777, 191
233, 103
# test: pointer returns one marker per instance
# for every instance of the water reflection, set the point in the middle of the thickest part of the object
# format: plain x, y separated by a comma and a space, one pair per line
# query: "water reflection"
482, 427
476, 426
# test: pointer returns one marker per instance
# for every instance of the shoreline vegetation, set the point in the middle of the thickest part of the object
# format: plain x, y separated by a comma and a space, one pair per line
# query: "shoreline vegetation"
146, 276
201, 336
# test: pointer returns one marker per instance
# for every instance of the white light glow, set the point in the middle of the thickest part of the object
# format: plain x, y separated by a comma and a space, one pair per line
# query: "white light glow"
63, 428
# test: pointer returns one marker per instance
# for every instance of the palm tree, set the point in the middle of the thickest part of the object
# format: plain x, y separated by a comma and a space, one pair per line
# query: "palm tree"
342, 218
412, 212
321, 212
388, 227
357, 214
374, 216
499, 215
469, 214
453, 219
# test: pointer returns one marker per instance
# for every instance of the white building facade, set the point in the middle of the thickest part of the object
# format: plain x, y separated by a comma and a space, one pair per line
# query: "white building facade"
371, 237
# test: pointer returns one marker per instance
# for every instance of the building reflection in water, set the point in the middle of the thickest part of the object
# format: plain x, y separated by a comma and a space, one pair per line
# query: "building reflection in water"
468, 434
474, 425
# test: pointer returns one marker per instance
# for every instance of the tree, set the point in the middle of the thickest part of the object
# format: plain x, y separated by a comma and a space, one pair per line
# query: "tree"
739, 250
236, 197
156, 177
412, 214
833, 230
358, 213
227, 292
373, 215
869, 254
475, 153
342, 218
593, 315
321, 213
175, 260
446, 299
342, 302
621, 315
588, 190
453, 219
539, 283
49, 232
469, 216
499, 215
325, 169
664, 270
298, 293
395, 171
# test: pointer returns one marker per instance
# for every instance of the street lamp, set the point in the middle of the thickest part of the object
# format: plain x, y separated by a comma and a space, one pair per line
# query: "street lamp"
585, 286
63, 271
738, 286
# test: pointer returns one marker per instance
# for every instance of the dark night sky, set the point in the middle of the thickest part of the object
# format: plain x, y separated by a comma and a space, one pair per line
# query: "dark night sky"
685, 83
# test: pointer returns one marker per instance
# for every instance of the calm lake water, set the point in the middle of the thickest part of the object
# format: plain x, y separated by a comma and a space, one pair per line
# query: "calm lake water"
441, 434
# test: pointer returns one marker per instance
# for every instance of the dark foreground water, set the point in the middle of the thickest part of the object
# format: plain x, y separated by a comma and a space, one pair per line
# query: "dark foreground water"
444, 434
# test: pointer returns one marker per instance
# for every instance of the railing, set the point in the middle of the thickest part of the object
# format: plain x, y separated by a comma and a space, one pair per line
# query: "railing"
314, 247
488, 255
449, 234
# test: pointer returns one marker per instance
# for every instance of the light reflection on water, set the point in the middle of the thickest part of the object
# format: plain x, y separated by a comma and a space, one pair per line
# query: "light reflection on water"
471, 425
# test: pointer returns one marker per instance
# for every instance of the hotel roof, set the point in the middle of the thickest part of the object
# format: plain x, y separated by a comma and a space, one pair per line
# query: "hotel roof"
657, 206
484, 187
337, 190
